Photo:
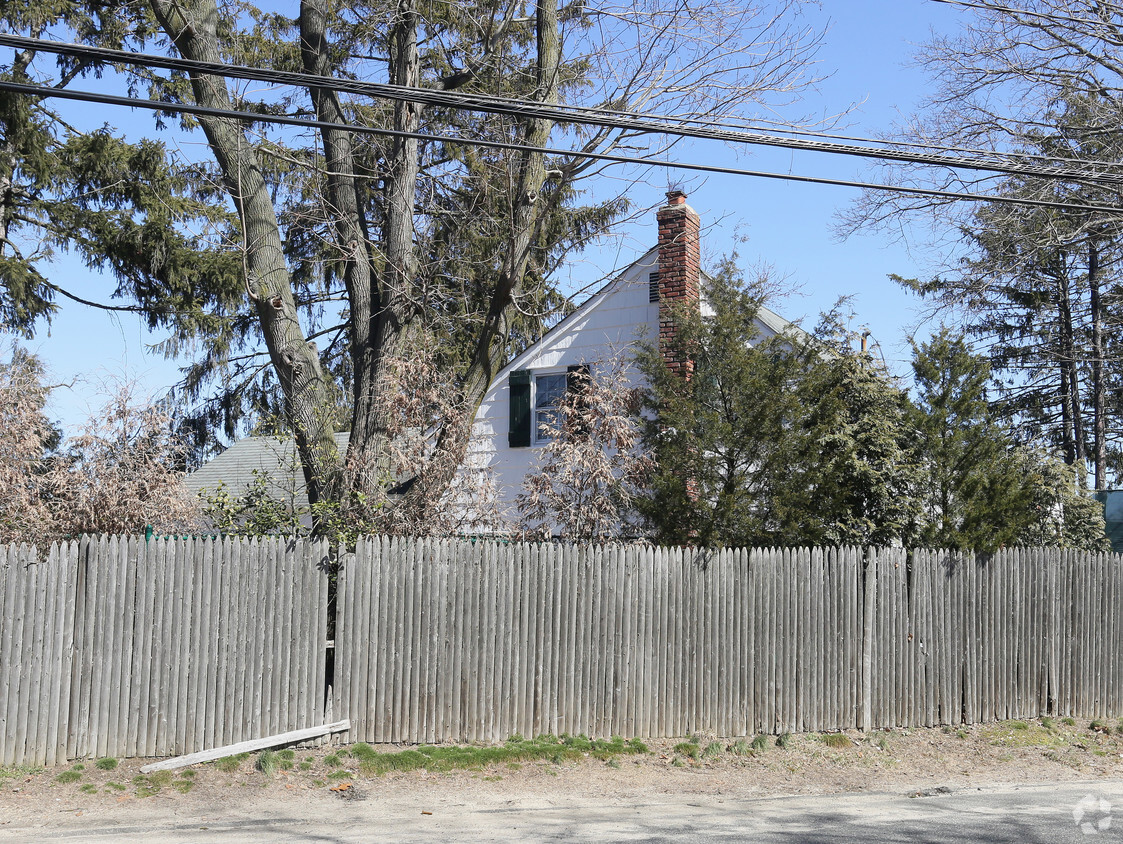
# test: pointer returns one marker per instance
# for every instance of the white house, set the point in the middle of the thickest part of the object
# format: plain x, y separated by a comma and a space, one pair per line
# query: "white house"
508, 433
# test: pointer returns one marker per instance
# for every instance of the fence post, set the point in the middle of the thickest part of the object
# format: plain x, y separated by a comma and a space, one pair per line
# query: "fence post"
869, 588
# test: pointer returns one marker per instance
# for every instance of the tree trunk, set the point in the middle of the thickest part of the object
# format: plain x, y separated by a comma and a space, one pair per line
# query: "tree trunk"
1099, 423
192, 26
391, 322
1070, 384
380, 308
527, 213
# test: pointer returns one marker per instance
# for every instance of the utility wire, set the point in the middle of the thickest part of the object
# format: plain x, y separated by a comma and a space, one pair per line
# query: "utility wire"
155, 105
561, 113
106, 54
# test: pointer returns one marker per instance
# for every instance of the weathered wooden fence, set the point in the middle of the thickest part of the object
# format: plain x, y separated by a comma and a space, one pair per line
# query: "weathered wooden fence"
118, 647
444, 641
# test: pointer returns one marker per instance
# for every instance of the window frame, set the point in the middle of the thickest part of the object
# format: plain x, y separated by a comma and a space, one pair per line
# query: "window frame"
536, 435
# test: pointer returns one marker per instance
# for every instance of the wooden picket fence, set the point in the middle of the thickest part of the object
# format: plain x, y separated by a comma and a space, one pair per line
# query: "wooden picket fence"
118, 647
121, 647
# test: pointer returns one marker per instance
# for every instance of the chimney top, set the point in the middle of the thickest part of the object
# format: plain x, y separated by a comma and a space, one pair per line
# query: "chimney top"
676, 197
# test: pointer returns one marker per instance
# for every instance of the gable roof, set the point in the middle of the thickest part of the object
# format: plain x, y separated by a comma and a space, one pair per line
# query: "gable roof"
768, 318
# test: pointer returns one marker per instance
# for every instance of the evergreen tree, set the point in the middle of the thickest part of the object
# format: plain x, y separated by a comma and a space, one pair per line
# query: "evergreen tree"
851, 478
973, 489
338, 256
786, 439
718, 437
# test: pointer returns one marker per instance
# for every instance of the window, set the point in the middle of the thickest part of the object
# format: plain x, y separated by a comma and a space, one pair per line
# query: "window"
535, 402
548, 393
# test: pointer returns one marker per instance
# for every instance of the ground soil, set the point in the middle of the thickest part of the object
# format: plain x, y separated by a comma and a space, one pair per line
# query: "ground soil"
916, 762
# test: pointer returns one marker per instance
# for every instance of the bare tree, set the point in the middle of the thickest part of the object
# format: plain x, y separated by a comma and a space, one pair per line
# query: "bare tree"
354, 250
122, 472
25, 438
1038, 82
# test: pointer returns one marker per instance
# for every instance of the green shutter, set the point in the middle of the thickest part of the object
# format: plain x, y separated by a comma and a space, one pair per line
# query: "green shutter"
518, 435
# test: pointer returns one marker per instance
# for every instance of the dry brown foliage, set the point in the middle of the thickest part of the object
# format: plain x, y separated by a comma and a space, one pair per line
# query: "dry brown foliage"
120, 473
423, 405
25, 435
588, 475
124, 470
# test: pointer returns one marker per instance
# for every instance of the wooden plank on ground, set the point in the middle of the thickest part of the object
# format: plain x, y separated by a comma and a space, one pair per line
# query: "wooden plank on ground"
291, 737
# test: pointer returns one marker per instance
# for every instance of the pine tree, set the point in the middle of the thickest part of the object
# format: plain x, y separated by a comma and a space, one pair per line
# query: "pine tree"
974, 490
338, 256
789, 439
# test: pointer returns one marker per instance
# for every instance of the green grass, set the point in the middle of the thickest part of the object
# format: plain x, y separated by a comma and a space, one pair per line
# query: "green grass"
333, 760
784, 740
1069, 722
88, 788
183, 786
555, 749
306, 766
1047, 722
1009, 734
713, 750
108, 763
760, 743
151, 784
688, 749
230, 764
15, 772
741, 748
116, 786
836, 740
268, 761
68, 776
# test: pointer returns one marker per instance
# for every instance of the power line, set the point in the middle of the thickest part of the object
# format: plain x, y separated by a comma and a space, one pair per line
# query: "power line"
307, 123
679, 127
455, 99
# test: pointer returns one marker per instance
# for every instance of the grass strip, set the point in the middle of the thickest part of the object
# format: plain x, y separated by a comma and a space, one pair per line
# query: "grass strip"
516, 749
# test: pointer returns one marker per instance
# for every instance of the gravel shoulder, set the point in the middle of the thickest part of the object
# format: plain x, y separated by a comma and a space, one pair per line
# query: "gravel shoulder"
925, 762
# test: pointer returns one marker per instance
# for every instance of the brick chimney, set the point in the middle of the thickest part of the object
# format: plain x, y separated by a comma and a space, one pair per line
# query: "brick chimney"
679, 268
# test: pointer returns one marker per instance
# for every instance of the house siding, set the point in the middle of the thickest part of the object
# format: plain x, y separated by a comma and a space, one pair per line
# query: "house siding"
608, 326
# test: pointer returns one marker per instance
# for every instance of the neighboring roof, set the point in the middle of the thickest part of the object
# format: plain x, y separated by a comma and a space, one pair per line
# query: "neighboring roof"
273, 458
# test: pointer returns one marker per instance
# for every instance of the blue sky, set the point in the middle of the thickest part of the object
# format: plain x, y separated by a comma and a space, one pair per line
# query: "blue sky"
788, 225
